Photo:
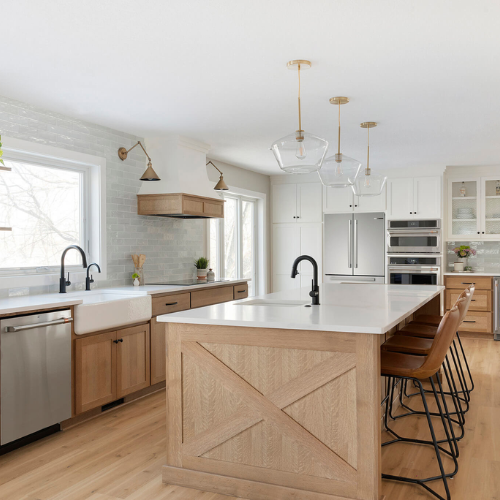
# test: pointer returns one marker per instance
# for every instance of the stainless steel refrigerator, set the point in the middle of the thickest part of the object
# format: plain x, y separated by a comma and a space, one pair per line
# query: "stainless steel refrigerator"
496, 308
354, 247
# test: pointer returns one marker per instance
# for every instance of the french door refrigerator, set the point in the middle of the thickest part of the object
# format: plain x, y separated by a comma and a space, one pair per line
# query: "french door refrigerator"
354, 247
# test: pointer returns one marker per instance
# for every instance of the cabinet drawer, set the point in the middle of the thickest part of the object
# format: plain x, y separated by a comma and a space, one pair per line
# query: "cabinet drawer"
461, 282
241, 291
477, 322
214, 296
171, 303
481, 301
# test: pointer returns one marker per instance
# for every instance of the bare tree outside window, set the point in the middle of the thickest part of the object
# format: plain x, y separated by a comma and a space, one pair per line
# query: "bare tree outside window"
43, 205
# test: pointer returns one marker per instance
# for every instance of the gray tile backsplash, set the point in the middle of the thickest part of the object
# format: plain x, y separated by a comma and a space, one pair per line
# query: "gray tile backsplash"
170, 245
486, 260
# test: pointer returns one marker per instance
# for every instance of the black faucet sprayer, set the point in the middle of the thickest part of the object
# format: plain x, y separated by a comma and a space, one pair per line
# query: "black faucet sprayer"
314, 293
90, 279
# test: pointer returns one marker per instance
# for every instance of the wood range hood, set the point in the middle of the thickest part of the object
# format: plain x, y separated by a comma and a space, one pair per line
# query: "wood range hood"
180, 206
184, 191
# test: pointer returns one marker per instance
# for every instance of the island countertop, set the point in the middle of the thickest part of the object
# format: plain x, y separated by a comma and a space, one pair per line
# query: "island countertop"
345, 307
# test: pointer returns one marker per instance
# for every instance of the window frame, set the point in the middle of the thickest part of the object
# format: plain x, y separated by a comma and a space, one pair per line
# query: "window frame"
220, 240
93, 209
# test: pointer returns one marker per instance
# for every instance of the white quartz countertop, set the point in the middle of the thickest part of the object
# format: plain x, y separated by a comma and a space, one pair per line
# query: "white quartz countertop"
470, 274
347, 307
26, 303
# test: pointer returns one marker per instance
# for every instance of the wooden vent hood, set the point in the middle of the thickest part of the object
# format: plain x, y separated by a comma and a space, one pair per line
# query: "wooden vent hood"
180, 206
183, 191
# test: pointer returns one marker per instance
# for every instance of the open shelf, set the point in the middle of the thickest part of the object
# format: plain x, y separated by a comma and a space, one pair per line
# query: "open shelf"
498, 197
467, 220
468, 197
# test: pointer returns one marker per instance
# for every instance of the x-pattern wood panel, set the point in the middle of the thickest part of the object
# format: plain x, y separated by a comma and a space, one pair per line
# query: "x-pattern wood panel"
269, 407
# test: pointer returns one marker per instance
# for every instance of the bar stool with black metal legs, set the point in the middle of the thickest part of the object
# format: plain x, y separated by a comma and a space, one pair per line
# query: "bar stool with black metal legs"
422, 347
433, 320
417, 369
416, 329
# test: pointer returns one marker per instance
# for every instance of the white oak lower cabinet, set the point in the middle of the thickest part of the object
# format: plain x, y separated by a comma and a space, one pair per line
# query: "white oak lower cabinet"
157, 351
110, 366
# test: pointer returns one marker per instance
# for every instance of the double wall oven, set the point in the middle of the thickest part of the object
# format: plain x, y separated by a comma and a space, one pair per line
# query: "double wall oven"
414, 252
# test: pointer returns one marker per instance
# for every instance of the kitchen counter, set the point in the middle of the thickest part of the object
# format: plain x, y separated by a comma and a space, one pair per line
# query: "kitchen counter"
470, 274
348, 307
283, 401
27, 303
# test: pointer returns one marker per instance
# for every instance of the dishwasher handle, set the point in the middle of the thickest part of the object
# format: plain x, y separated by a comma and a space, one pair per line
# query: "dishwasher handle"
60, 321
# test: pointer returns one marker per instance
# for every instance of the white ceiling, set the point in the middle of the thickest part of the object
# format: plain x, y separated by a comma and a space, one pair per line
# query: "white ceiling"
427, 71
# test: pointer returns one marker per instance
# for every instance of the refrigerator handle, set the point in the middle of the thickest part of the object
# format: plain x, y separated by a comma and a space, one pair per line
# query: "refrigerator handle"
349, 243
495, 309
356, 243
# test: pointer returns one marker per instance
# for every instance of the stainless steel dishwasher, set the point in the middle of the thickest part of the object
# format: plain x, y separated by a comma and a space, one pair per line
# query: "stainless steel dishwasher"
35, 373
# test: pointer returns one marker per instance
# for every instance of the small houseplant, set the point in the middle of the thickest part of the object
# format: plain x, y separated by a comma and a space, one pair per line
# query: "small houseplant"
463, 252
201, 265
136, 277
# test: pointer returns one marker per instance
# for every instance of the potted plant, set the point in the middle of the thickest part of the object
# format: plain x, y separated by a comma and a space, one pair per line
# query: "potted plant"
463, 252
136, 277
201, 265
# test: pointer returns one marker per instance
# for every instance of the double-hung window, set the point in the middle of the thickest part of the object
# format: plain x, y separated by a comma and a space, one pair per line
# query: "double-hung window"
45, 203
233, 241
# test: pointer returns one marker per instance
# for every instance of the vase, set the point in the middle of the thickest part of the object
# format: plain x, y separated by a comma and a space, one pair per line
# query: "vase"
140, 272
202, 274
458, 267
210, 275
136, 282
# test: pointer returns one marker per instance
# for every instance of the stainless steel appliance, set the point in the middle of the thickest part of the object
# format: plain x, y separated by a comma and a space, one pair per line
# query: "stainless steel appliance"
414, 270
414, 236
354, 247
496, 308
35, 373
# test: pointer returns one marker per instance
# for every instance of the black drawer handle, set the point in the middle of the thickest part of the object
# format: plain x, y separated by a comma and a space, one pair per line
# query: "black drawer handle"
467, 283
171, 304
241, 291
468, 321
473, 300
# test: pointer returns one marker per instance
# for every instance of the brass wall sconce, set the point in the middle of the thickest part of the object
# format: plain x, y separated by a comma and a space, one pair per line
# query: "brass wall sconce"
221, 185
149, 174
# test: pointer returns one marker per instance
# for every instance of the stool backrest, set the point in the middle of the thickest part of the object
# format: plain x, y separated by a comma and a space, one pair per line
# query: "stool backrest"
444, 337
467, 295
471, 288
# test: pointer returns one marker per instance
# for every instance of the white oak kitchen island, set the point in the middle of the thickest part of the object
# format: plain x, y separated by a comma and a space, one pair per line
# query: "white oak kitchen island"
270, 399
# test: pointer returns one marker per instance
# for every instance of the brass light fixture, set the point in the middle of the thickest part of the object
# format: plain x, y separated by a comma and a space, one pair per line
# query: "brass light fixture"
369, 184
149, 174
339, 170
300, 152
221, 185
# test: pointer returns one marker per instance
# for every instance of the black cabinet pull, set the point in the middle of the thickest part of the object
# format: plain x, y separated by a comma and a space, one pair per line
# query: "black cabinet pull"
241, 291
115, 341
473, 300
350, 206
463, 283
468, 321
171, 304
120, 340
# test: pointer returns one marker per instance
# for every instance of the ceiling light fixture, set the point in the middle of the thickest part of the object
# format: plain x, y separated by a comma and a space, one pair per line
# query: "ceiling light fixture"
368, 184
221, 185
339, 170
149, 174
300, 152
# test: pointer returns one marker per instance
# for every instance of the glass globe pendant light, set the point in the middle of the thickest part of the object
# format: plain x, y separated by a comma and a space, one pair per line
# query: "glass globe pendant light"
300, 152
368, 184
339, 170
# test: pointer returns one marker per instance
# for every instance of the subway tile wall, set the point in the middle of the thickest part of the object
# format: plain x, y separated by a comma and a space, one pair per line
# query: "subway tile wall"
170, 245
486, 260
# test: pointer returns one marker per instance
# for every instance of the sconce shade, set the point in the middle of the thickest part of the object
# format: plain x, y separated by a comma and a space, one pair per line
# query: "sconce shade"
221, 185
150, 174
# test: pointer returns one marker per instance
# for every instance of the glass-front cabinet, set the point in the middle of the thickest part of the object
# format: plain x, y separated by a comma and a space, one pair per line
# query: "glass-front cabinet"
474, 208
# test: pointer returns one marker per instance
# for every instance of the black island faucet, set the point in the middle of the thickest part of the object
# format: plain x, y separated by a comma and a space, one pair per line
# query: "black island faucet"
63, 283
314, 293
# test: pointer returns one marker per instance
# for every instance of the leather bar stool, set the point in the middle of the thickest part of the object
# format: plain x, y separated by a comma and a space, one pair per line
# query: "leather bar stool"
421, 347
395, 365
433, 320
417, 329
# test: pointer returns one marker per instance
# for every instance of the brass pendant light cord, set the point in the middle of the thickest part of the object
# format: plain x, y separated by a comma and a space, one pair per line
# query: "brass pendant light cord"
339, 127
300, 116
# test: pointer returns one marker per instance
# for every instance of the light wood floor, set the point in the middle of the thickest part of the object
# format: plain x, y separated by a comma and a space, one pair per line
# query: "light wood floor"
119, 454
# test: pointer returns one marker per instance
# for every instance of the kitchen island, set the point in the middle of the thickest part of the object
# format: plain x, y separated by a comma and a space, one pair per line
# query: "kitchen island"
271, 398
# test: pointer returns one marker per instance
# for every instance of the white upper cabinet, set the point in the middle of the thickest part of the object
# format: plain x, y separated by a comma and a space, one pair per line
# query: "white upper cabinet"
414, 198
338, 200
474, 208
297, 202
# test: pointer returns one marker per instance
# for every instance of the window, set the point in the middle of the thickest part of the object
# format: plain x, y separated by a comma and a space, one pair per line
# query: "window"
46, 207
233, 241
